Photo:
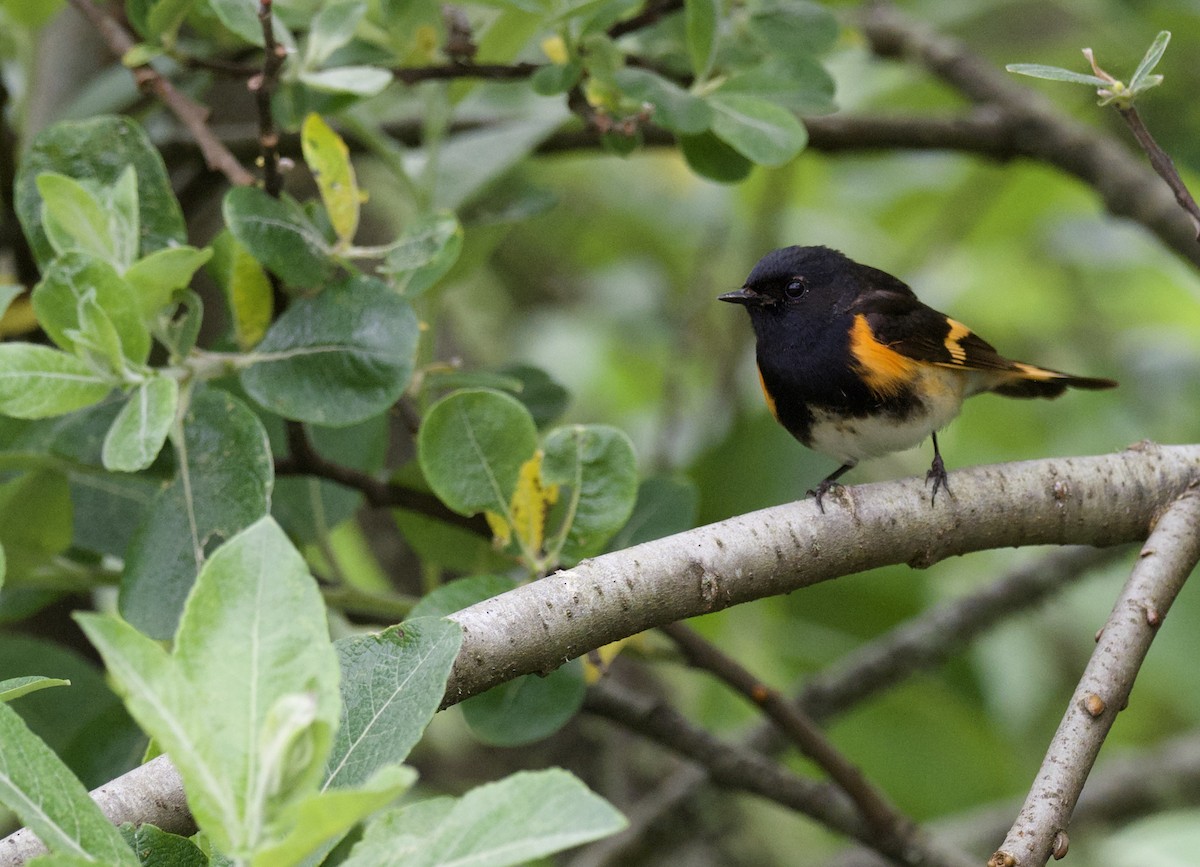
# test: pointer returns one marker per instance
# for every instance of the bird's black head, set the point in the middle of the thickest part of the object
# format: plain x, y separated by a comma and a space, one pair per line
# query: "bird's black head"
792, 277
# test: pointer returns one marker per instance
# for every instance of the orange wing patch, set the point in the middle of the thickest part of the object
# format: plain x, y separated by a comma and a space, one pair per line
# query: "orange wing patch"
883, 369
954, 340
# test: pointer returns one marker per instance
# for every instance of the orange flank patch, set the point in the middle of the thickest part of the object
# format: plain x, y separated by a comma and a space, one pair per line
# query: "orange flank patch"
883, 369
767, 395
954, 341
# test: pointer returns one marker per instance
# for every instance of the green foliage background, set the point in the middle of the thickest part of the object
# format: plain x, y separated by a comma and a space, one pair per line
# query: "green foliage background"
602, 270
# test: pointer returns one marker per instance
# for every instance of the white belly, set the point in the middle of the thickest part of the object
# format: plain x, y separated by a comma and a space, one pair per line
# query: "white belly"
849, 440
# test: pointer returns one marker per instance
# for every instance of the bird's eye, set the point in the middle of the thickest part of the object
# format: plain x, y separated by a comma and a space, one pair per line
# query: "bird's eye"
796, 287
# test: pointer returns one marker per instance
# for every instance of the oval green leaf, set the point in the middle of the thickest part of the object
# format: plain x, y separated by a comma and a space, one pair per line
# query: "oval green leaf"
674, 107
759, 130
337, 358
37, 382
278, 234
99, 150
712, 158
329, 160
471, 447
596, 468
140, 429
527, 709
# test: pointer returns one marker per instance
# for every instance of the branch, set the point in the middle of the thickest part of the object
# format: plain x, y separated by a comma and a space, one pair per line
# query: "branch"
192, 114
263, 87
892, 833
305, 460
1105, 500
1033, 128
150, 793
1167, 559
919, 644
1162, 164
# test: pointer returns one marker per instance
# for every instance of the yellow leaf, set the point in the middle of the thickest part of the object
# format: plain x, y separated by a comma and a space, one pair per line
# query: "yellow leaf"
596, 662
248, 292
501, 529
556, 49
530, 502
329, 159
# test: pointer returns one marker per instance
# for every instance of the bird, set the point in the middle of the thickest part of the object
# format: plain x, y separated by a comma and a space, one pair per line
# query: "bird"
855, 366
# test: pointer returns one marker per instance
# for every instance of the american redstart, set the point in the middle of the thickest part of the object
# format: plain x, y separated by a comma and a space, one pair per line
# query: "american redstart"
855, 366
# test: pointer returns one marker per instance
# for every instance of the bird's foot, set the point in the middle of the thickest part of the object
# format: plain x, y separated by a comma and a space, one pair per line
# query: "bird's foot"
937, 473
821, 490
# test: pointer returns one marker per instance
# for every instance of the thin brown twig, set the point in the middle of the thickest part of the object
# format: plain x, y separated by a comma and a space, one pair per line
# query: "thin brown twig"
1162, 164
1166, 560
263, 87
191, 114
304, 460
894, 832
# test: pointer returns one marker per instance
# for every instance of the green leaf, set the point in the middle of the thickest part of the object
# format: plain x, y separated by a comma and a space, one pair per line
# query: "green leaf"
597, 465
316, 822
155, 277
471, 446
674, 107
700, 26
545, 398
98, 151
15, 687
553, 78
247, 289
166, 17
140, 429
241, 18
69, 282
392, 685
425, 252
1054, 73
1153, 55
332, 28
329, 160
665, 505
354, 80
712, 158
247, 702
179, 334
35, 520
759, 130
278, 234
223, 486
529, 815
74, 219
528, 708
460, 593
157, 848
795, 27
797, 83
337, 358
37, 381
50, 800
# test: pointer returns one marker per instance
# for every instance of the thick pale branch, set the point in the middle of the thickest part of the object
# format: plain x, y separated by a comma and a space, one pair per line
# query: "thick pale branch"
151, 793
1105, 500
1167, 558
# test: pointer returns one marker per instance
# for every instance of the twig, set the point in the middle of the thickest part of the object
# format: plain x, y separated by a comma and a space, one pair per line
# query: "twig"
1106, 500
652, 14
450, 71
263, 87
1032, 127
933, 637
192, 114
894, 833
305, 460
1168, 557
1162, 164
735, 767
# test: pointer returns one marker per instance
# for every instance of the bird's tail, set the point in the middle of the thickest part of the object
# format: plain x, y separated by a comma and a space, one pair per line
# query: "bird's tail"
1027, 380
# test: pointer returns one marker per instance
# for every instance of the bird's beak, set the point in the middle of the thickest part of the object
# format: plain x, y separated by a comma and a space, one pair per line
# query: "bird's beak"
745, 296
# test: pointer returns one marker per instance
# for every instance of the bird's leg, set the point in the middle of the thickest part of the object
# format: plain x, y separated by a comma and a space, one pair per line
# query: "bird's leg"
830, 481
937, 472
